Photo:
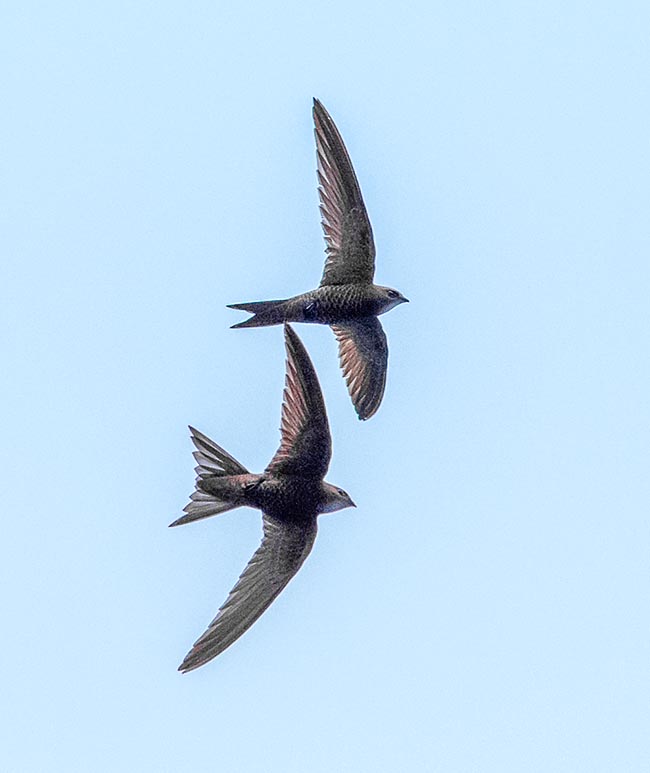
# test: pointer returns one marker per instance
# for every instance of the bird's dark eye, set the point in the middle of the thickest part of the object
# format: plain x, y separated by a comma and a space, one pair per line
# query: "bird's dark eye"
393, 293
341, 492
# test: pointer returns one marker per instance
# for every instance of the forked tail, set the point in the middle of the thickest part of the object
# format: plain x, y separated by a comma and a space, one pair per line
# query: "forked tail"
265, 313
212, 462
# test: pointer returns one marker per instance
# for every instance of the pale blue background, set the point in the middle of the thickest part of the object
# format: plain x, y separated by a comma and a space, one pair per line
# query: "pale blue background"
486, 607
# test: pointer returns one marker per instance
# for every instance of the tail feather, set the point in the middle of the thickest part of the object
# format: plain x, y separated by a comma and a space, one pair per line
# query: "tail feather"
254, 307
265, 313
212, 462
201, 506
212, 459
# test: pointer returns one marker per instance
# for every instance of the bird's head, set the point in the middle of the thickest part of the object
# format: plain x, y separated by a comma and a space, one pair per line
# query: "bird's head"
334, 498
390, 298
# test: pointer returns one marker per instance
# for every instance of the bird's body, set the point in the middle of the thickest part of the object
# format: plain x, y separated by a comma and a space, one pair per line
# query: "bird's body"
291, 493
326, 305
346, 299
294, 498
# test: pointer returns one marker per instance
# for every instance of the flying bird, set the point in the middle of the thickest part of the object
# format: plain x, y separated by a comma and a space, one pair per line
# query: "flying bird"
346, 299
291, 493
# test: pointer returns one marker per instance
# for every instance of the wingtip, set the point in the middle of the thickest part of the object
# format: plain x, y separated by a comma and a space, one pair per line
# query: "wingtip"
192, 661
318, 109
297, 353
292, 342
186, 665
365, 414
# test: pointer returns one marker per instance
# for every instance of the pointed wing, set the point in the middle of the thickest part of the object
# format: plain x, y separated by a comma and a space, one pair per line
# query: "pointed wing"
306, 444
363, 353
284, 548
350, 247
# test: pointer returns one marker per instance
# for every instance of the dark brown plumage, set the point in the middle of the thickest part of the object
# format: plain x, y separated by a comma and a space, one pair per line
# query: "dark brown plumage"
346, 298
291, 493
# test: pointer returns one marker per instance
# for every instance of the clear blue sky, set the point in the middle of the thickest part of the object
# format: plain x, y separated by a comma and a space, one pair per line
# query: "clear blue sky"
487, 606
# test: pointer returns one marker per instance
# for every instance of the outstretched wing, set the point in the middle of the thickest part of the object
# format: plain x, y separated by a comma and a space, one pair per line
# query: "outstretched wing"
306, 444
350, 247
284, 548
363, 353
